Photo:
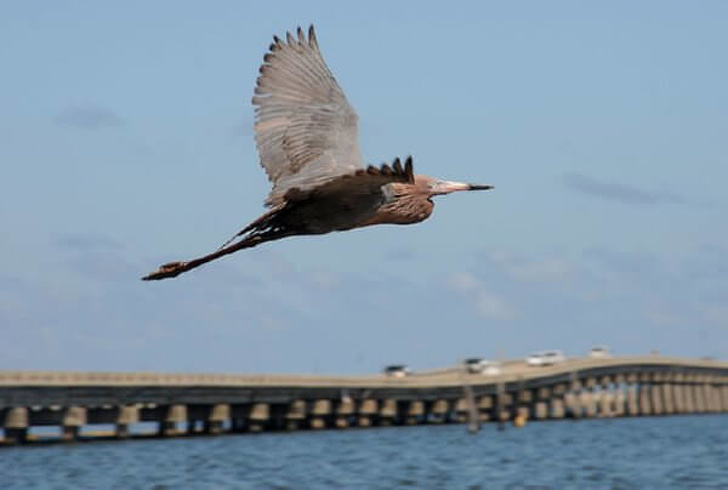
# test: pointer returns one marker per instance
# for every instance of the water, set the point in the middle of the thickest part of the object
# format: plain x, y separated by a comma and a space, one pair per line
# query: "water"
665, 452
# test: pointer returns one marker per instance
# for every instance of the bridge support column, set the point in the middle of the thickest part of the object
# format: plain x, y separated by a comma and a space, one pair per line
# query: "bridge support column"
541, 410
485, 408
690, 401
524, 401
128, 414
557, 408
722, 407
439, 412
295, 414
587, 403
604, 397
723, 395
73, 419
588, 398
644, 399
718, 395
320, 413
678, 396
219, 413
541, 406
507, 407
15, 425
667, 398
656, 399
571, 400
461, 410
345, 409
633, 400
387, 412
619, 395
620, 400
696, 388
699, 395
705, 390
175, 414
367, 410
500, 413
259, 417
415, 412
709, 396
607, 402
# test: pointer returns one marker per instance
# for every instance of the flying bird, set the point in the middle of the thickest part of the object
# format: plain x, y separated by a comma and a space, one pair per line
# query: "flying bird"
306, 135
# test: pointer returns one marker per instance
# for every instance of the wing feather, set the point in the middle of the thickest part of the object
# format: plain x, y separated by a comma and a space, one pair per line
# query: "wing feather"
306, 131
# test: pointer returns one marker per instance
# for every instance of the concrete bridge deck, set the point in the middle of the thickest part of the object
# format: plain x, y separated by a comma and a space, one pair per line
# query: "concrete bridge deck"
621, 386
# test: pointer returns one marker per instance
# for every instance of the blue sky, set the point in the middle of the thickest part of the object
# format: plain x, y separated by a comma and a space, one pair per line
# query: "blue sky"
126, 141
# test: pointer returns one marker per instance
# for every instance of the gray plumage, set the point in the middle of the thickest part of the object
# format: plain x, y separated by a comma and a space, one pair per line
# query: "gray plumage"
306, 134
305, 129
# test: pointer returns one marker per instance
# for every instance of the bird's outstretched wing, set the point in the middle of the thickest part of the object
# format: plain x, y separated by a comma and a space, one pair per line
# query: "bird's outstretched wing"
305, 129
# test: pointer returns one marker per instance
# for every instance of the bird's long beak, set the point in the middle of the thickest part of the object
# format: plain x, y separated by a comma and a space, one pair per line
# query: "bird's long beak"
448, 187
479, 187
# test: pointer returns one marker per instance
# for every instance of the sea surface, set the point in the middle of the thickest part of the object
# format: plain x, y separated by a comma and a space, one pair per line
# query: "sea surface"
688, 452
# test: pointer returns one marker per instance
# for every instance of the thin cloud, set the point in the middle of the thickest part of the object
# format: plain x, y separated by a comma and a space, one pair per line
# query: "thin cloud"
485, 303
619, 192
552, 269
88, 117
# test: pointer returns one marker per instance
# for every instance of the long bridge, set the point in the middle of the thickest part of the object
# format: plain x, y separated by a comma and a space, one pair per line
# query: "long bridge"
225, 403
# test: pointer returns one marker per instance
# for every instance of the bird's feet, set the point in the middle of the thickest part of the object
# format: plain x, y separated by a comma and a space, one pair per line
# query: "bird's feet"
172, 269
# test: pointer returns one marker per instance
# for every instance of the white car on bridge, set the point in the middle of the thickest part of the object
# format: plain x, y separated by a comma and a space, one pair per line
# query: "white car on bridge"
545, 358
483, 366
397, 370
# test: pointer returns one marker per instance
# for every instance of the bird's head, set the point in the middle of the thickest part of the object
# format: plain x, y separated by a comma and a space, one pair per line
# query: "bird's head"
435, 187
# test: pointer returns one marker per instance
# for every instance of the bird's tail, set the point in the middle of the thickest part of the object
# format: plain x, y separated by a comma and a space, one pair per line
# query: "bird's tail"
261, 223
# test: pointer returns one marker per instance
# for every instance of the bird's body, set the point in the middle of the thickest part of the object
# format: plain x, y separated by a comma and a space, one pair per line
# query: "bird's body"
306, 134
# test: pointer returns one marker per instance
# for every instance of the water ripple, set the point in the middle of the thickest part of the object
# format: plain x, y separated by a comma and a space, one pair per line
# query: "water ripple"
631, 453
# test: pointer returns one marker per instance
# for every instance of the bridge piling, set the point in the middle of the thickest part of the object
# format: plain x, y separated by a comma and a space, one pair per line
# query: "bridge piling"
367, 412
415, 412
259, 417
127, 415
320, 414
667, 398
699, 394
16, 425
387, 412
175, 414
73, 419
656, 394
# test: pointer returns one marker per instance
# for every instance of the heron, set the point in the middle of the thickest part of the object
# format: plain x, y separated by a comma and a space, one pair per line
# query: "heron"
306, 136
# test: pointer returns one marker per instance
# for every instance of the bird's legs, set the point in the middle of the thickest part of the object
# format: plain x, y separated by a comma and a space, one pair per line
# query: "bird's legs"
173, 269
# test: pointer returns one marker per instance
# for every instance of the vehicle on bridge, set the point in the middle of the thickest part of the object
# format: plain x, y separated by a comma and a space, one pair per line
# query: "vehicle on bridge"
600, 352
545, 358
397, 370
483, 366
